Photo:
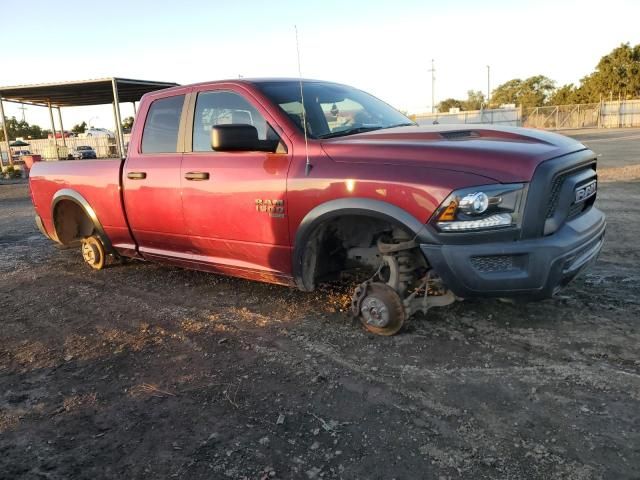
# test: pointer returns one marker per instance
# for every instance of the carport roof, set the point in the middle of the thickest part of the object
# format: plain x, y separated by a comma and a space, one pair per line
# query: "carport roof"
81, 92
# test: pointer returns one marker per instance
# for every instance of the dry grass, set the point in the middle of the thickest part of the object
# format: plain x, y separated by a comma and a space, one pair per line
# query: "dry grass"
76, 402
149, 390
619, 174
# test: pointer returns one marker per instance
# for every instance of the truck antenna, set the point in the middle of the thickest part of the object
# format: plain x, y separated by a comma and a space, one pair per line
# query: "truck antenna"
307, 167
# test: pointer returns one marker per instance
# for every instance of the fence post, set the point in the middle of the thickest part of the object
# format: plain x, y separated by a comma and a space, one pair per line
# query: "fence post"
619, 113
600, 113
520, 115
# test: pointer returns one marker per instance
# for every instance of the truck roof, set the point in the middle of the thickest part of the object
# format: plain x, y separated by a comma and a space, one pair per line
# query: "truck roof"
251, 81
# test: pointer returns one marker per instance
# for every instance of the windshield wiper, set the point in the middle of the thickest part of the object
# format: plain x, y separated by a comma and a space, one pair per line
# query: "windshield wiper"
350, 131
408, 124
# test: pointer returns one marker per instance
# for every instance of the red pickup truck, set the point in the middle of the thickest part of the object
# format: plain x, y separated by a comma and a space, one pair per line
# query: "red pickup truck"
300, 182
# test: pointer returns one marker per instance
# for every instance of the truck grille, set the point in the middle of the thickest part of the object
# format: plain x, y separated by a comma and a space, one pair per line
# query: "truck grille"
556, 188
552, 192
554, 196
576, 209
493, 263
562, 204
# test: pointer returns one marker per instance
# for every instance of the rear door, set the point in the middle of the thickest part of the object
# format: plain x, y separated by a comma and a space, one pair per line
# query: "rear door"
235, 202
151, 178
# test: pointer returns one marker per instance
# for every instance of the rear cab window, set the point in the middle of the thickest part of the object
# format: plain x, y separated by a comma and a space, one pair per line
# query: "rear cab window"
160, 134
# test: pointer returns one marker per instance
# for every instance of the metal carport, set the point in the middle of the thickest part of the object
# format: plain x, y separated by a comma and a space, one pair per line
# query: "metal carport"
102, 91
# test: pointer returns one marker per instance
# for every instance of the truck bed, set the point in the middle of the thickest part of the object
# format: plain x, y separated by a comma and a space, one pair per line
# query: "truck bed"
97, 181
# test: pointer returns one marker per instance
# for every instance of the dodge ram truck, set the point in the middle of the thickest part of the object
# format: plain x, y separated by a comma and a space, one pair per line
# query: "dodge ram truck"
298, 182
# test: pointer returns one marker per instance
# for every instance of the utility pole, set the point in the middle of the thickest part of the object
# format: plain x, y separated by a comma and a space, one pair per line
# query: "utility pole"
23, 108
488, 85
433, 83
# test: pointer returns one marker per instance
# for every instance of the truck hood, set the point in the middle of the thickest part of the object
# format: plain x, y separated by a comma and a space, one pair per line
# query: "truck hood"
503, 154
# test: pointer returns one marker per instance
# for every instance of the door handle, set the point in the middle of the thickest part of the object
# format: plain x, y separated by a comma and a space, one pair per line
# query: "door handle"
197, 176
137, 175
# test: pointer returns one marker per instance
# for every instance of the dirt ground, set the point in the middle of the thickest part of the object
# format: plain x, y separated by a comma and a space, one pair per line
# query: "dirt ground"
145, 371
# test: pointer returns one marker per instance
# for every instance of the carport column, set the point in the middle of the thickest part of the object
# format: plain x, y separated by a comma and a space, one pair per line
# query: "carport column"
6, 134
116, 111
134, 109
64, 142
53, 129
116, 131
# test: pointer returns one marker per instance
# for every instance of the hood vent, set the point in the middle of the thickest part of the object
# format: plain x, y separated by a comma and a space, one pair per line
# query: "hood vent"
459, 135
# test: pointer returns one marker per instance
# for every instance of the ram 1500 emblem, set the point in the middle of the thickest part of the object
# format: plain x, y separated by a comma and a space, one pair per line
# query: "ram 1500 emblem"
275, 208
585, 191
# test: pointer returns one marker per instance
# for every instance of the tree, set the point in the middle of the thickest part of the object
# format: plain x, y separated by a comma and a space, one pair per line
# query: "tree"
21, 129
475, 100
79, 128
531, 92
127, 123
565, 95
617, 75
445, 105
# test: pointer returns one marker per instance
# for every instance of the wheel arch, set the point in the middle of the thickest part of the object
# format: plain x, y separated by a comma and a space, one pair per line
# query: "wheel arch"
60, 198
333, 209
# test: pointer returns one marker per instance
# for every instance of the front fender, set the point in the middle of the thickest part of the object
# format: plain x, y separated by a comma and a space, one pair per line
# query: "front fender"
349, 206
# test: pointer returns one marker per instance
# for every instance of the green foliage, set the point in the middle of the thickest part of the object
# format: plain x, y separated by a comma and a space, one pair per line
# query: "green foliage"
21, 129
79, 128
445, 105
475, 101
127, 123
12, 172
617, 75
531, 92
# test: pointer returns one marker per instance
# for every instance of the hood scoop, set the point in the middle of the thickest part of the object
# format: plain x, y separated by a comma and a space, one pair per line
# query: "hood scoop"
459, 134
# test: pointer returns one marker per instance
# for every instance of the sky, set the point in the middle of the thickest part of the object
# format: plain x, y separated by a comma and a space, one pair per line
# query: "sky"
383, 47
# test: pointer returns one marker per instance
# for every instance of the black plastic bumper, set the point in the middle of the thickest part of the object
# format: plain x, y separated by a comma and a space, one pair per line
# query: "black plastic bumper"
535, 268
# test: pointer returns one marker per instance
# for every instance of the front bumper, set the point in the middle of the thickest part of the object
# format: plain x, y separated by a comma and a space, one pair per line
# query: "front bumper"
533, 268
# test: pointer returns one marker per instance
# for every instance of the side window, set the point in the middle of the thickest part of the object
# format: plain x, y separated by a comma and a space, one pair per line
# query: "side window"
160, 134
218, 108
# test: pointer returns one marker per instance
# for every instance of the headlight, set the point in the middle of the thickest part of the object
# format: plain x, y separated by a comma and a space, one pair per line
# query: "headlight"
481, 208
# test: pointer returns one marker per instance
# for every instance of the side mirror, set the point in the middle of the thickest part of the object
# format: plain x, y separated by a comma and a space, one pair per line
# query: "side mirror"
235, 137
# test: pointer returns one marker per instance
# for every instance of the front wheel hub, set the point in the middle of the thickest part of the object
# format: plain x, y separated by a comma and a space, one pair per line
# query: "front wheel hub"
381, 311
374, 312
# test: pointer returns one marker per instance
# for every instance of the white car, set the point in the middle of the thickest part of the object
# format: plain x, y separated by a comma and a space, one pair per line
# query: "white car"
97, 132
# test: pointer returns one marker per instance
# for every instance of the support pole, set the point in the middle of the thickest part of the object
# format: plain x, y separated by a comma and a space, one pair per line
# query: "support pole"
134, 109
116, 131
488, 85
64, 141
116, 110
6, 135
53, 129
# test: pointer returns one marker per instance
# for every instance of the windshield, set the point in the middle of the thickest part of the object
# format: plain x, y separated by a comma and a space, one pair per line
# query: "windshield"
332, 110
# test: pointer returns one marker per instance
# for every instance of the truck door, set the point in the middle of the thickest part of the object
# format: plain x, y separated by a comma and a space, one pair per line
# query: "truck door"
234, 203
151, 179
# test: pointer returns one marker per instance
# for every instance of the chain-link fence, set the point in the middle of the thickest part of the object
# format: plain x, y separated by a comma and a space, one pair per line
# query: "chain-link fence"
502, 116
563, 116
104, 146
616, 114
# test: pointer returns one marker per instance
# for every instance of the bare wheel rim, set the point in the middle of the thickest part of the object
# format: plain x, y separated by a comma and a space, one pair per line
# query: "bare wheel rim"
93, 252
89, 252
